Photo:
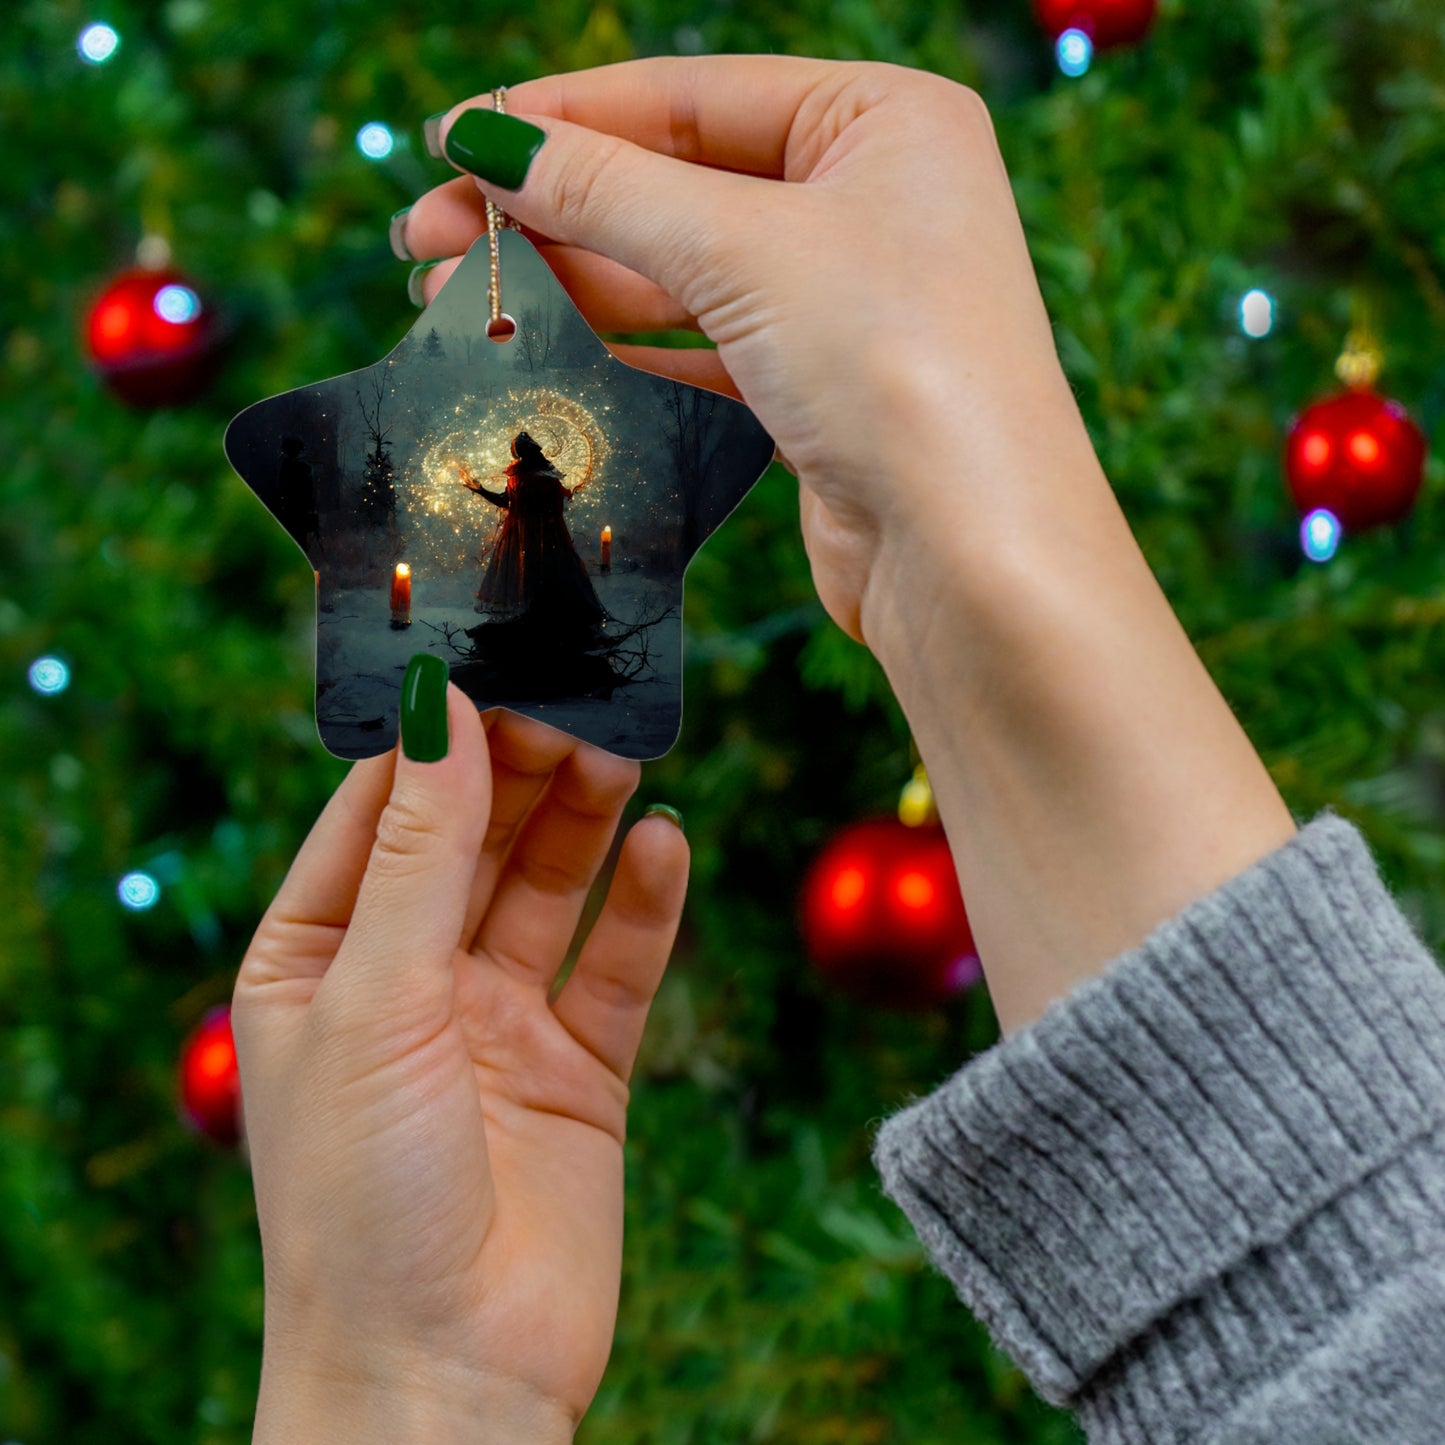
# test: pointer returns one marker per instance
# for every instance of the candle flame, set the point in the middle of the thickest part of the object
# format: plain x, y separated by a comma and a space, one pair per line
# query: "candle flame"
402, 570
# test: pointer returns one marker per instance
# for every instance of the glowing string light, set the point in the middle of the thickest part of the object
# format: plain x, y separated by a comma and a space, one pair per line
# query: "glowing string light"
1075, 53
49, 675
1320, 535
177, 304
97, 43
375, 140
1256, 313
138, 891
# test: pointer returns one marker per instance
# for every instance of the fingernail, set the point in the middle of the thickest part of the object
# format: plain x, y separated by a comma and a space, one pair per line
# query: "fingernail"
415, 294
396, 233
497, 147
669, 813
424, 708
431, 133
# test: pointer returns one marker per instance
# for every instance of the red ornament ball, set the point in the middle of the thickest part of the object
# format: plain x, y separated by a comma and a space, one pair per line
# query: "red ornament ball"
210, 1082
152, 338
883, 919
1359, 456
1107, 23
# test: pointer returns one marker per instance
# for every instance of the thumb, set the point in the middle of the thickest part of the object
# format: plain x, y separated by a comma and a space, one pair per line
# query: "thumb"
666, 219
407, 922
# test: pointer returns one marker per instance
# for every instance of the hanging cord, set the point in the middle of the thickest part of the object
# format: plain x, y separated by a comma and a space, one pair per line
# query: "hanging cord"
497, 220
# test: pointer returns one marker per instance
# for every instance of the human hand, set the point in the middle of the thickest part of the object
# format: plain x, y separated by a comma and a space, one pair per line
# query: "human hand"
436, 1147
879, 312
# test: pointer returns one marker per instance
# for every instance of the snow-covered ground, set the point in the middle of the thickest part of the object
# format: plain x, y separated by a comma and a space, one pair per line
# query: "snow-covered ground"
361, 659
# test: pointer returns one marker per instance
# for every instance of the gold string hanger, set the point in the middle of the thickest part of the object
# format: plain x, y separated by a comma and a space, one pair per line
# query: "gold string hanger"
499, 327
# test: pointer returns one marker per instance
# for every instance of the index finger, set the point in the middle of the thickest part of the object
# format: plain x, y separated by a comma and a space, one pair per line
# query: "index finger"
733, 112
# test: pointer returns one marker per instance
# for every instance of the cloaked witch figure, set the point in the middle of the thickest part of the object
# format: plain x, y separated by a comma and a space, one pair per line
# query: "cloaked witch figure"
534, 568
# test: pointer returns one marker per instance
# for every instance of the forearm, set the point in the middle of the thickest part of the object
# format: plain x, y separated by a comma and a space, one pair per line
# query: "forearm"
1091, 778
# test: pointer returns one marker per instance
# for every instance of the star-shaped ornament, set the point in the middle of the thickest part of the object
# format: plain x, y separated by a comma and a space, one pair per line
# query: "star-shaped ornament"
523, 508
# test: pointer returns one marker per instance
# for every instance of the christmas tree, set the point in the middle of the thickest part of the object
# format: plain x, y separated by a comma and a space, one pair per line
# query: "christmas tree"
157, 630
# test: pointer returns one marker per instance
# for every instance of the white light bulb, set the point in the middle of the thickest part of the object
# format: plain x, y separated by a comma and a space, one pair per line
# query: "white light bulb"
97, 43
1256, 313
375, 140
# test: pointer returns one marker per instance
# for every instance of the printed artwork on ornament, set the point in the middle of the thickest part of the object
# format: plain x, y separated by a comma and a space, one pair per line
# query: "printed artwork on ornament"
523, 508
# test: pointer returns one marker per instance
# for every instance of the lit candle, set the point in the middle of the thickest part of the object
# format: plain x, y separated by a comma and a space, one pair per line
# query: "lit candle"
401, 596
607, 549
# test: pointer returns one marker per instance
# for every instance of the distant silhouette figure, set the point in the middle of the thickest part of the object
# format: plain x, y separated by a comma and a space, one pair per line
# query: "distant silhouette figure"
296, 506
534, 569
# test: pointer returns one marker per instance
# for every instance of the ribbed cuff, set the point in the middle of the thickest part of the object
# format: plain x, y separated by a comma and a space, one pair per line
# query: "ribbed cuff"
1180, 1173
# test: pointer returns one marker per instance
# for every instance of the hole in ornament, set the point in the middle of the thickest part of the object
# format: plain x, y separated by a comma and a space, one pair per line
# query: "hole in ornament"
502, 330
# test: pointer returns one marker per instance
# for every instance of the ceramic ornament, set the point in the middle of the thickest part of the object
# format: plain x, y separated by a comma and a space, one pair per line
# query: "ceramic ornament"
523, 508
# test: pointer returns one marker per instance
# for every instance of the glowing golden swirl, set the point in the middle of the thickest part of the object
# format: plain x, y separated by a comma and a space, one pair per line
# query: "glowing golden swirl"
567, 432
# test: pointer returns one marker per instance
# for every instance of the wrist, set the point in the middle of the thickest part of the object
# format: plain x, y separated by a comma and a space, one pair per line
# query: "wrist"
986, 501
400, 1402
1091, 778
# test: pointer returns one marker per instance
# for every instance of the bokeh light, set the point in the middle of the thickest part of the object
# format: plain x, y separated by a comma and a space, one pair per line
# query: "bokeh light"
1364, 448
49, 675
177, 304
914, 889
375, 140
138, 891
848, 888
1320, 535
97, 43
1256, 313
1315, 451
965, 970
1075, 52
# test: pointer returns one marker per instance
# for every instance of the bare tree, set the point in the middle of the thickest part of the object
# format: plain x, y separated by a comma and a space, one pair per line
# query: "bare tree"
534, 334
378, 483
694, 447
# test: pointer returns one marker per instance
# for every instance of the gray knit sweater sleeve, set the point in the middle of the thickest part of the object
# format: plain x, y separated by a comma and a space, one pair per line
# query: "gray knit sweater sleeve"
1201, 1200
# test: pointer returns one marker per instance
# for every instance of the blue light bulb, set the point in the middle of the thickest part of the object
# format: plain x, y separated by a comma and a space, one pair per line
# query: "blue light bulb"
375, 140
1075, 52
177, 304
1320, 535
138, 891
49, 675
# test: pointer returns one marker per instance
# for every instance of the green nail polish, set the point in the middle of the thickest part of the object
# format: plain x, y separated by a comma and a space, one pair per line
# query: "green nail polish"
424, 708
498, 148
669, 813
431, 133
396, 234
414, 293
